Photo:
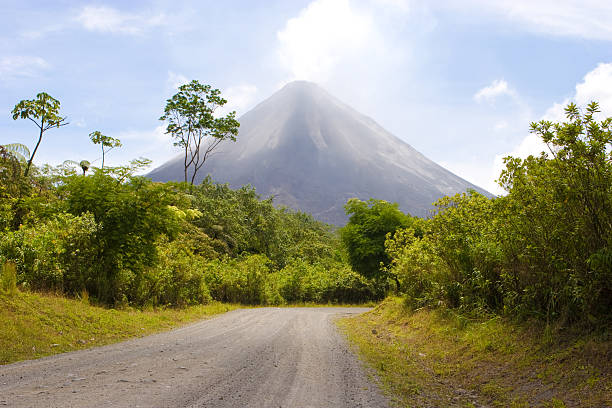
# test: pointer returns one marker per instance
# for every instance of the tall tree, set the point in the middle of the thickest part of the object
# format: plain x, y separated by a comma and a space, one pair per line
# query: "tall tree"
107, 143
190, 114
364, 235
44, 113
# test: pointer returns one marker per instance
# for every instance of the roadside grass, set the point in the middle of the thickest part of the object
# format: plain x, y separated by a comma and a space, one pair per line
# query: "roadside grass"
33, 325
438, 358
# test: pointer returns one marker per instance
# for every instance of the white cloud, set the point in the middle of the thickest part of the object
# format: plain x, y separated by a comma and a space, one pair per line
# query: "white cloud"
498, 87
17, 66
579, 18
109, 20
324, 33
596, 86
239, 98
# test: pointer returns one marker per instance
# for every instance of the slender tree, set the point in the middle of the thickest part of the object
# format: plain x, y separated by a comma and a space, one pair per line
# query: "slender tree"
190, 114
107, 143
44, 113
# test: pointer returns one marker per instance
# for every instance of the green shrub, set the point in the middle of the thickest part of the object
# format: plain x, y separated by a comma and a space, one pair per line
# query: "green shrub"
542, 250
177, 279
241, 280
59, 254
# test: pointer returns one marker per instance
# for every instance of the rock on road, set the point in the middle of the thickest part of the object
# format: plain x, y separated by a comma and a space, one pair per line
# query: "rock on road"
265, 357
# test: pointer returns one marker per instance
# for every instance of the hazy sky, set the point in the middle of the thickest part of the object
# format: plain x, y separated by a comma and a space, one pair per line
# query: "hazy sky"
458, 80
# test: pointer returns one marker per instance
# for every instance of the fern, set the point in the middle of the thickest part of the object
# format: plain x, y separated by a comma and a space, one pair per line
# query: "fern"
20, 151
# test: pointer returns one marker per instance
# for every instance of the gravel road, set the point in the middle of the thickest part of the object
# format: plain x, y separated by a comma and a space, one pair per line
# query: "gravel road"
267, 357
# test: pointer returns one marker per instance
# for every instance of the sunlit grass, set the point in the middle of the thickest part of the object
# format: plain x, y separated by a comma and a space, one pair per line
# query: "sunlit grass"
35, 325
439, 358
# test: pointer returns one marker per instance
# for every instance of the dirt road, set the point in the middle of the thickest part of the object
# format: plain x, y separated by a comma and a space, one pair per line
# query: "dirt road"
268, 357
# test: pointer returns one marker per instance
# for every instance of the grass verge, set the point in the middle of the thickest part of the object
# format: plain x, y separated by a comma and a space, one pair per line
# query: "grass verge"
437, 358
34, 325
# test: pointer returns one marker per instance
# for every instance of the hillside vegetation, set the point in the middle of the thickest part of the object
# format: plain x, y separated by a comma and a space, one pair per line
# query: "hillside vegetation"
121, 239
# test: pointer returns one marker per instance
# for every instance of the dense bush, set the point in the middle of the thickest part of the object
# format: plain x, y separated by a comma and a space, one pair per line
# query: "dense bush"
131, 214
59, 254
364, 235
301, 281
542, 250
176, 279
252, 279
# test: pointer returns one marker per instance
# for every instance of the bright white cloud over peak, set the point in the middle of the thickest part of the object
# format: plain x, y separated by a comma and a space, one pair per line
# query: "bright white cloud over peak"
109, 20
325, 32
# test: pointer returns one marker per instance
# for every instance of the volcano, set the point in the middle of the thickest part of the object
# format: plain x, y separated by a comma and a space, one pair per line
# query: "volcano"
313, 152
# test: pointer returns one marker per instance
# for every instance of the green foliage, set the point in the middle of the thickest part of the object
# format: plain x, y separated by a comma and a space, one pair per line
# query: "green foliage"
58, 254
239, 222
18, 150
559, 235
542, 250
364, 235
44, 113
253, 280
177, 278
242, 280
301, 281
193, 125
132, 215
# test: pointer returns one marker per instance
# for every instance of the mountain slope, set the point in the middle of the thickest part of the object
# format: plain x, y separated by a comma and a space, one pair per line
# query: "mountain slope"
313, 153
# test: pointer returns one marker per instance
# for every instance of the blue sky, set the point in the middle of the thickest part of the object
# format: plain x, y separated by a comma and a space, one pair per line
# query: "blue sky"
458, 80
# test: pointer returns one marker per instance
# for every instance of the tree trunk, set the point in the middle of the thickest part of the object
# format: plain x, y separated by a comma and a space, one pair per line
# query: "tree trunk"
27, 170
